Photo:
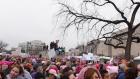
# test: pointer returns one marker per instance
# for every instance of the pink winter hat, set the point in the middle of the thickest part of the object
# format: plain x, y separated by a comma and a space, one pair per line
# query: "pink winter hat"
53, 71
112, 69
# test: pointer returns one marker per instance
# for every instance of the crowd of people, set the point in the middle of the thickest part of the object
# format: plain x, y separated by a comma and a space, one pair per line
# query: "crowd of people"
38, 67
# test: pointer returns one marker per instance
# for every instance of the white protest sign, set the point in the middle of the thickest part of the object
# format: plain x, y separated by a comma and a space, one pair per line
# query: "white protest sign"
51, 53
88, 56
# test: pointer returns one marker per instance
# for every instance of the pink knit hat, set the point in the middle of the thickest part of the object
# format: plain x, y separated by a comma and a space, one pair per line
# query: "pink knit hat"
53, 71
82, 72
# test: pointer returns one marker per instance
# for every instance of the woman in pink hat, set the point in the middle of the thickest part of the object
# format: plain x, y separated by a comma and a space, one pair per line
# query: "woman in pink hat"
52, 74
89, 73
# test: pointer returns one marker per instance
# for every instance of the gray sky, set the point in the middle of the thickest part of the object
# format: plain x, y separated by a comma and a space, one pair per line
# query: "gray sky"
26, 20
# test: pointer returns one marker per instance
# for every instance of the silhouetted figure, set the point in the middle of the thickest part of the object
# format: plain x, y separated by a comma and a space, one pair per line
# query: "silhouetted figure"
54, 45
45, 47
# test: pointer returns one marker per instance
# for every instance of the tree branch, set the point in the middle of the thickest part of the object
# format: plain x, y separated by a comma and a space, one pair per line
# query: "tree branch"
132, 1
115, 46
134, 14
113, 4
94, 25
135, 2
121, 34
136, 39
82, 16
121, 13
136, 27
91, 1
102, 29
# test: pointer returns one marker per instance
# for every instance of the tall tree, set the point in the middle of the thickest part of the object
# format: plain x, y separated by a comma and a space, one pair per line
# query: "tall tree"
92, 15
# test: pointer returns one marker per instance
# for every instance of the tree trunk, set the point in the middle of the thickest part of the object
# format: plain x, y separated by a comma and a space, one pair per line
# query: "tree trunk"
128, 46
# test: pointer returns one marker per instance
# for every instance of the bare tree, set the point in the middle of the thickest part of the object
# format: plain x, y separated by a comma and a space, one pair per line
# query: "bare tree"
2, 45
89, 15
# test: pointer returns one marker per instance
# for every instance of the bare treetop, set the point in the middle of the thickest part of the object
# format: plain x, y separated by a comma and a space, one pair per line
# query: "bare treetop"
106, 27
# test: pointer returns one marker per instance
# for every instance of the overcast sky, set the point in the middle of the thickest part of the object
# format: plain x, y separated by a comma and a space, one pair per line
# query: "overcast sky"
26, 20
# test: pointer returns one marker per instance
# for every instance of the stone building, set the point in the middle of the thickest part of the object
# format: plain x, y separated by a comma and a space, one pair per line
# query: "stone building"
100, 48
32, 47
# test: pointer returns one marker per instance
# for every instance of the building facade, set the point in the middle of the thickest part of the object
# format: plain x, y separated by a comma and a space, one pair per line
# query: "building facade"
106, 50
32, 47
